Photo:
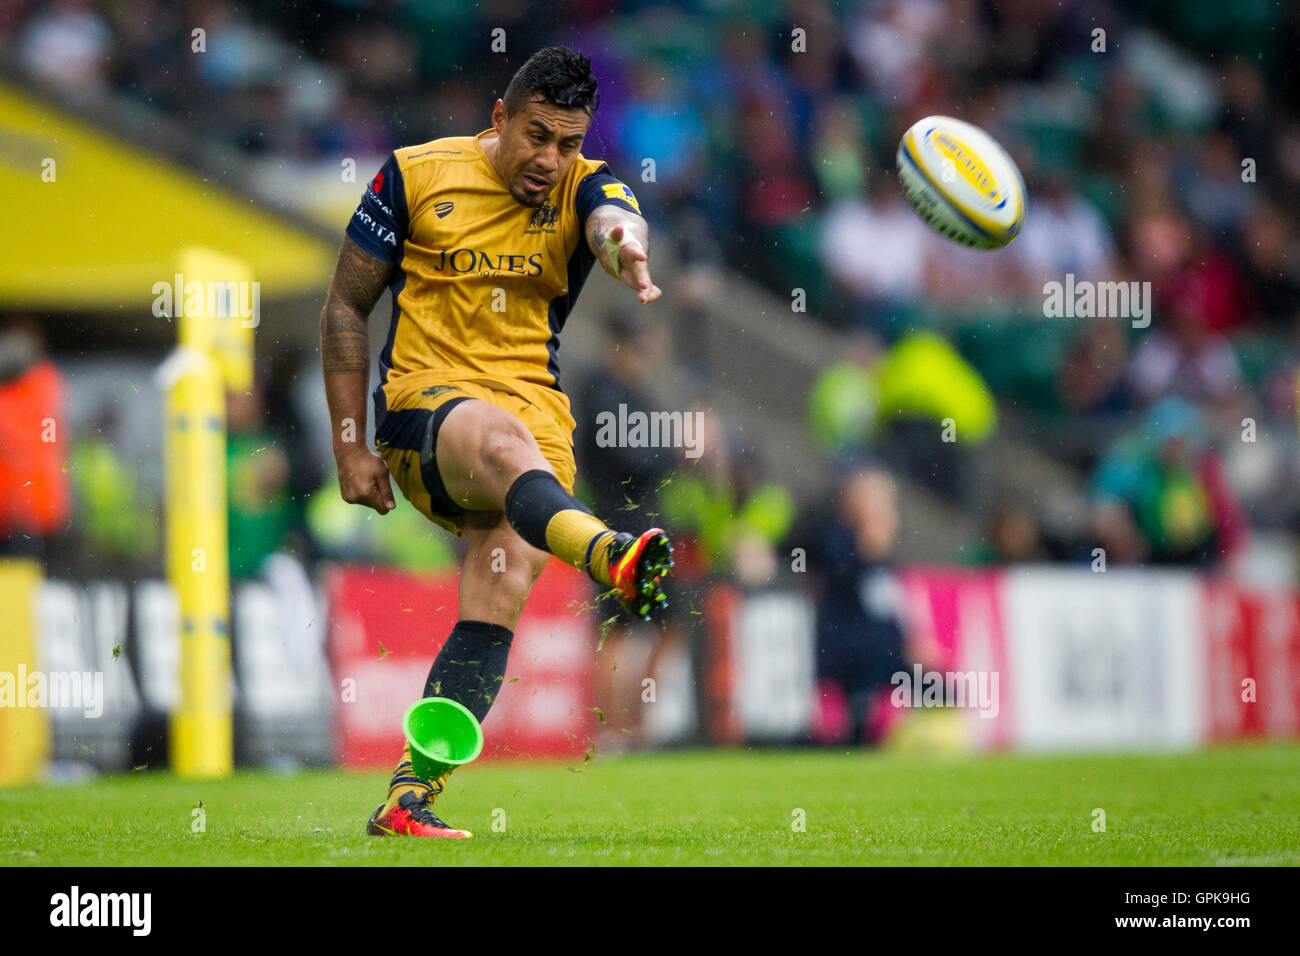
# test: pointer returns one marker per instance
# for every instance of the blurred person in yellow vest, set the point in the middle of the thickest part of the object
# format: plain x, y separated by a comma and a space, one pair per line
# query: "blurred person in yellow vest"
922, 376
344, 533
919, 406
735, 518
112, 515
844, 402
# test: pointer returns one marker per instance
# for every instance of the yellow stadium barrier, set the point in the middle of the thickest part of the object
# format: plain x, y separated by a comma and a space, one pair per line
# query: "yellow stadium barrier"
24, 731
215, 351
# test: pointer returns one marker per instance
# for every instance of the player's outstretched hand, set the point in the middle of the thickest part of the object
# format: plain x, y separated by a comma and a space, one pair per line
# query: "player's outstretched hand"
634, 266
363, 480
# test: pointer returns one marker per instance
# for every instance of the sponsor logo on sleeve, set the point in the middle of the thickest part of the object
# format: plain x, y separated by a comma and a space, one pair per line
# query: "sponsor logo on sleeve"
373, 226
620, 191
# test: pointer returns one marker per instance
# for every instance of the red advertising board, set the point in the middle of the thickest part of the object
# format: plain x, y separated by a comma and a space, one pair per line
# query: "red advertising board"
387, 626
1252, 658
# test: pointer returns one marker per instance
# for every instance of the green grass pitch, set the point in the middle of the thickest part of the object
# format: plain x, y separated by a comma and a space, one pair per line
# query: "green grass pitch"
1238, 805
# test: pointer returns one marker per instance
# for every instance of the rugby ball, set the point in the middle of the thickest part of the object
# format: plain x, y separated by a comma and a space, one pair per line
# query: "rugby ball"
962, 182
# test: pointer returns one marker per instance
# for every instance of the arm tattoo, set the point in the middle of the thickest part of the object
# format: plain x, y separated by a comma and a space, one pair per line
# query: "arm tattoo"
600, 222
359, 281
606, 217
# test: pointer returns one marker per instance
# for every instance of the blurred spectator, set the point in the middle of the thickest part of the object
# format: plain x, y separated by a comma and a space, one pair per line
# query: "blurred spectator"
1188, 361
1069, 236
1247, 116
876, 250
1159, 239
822, 70
290, 426
776, 192
860, 630
238, 56
1093, 383
623, 482
1210, 286
727, 522
892, 46
937, 412
1173, 486
920, 404
734, 518
843, 405
66, 45
1211, 184
116, 518
402, 538
260, 515
34, 496
621, 478
839, 151
1271, 269
663, 125
1112, 529
1014, 537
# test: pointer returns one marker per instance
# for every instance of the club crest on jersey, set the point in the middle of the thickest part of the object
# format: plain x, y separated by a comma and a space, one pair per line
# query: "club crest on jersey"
544, 218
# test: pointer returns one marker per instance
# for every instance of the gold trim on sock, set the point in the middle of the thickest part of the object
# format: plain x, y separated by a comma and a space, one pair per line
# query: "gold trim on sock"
395, 790
600, 558
569, 534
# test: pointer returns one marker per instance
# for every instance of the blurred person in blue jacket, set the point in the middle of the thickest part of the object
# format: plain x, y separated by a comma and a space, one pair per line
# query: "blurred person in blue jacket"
1167, 483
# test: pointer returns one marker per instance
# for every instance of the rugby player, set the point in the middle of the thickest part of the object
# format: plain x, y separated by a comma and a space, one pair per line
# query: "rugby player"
485, 242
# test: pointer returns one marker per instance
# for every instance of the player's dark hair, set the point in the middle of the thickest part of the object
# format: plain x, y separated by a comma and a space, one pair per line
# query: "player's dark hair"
562, 77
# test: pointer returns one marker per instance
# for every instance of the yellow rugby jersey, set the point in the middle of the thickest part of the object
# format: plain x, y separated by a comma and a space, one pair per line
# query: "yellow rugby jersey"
462, 244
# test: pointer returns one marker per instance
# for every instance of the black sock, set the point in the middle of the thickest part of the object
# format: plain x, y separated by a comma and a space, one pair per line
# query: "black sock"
549, 518
471, 666
533, 500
